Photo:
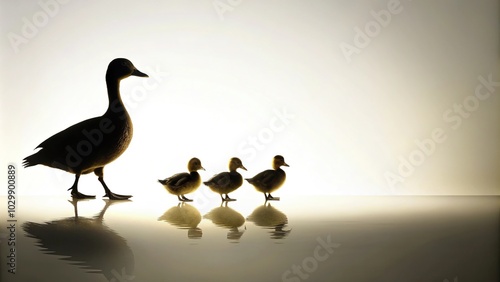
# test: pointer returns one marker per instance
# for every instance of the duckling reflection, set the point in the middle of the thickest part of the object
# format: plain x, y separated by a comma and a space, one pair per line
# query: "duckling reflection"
85, 242
226, 217
184, 216
269, 217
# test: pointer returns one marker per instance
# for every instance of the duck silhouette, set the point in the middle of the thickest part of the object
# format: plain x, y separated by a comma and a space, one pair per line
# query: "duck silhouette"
268, 217
227, 182
270, 180
85, 242
184, 183
93, 143
184, 216
227, 217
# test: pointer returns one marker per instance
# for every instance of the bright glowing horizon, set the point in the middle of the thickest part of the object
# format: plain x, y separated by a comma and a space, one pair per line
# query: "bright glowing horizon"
411, 108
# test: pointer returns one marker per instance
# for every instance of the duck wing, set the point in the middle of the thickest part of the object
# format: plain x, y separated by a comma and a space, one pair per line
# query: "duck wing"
178, 179
220, 180
264, 178
72, 135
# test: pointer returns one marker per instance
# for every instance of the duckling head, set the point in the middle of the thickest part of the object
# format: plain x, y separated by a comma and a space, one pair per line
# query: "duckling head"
235, 163
121, 68
194, 164
279, 161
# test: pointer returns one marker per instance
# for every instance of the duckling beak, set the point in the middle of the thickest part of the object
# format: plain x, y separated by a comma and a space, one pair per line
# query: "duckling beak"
202, 168
136, 72
242, 167
285, 164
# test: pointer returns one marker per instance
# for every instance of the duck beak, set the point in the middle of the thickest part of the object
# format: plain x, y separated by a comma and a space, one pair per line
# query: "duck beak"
242, 167
285, 164
139, 73
202, 168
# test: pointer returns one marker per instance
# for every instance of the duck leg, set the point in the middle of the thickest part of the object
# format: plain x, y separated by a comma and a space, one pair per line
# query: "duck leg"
112, 196
74, 190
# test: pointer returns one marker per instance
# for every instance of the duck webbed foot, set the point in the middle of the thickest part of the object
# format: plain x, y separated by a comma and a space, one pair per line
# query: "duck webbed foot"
74, 191
227, 199
184, 199
113, 196
271, 198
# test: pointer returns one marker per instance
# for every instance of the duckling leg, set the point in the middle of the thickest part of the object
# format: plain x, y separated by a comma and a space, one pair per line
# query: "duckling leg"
112, 196
74, 190
180, 199
186, 199
229, 199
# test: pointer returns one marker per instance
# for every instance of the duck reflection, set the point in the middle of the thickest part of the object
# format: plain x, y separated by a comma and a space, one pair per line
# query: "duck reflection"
269, 217
86, 242
184, 216
226, 217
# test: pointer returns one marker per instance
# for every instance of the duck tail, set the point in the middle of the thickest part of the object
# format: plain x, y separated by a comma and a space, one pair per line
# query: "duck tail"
250, 180
163, 182
32, 160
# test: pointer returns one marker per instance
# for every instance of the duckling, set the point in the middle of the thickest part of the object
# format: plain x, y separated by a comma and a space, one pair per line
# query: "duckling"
93, 143
184, 183
227, 182
270, 180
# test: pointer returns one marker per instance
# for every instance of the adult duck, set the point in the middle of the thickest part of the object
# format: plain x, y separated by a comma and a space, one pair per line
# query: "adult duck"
270, 180
184, 183
93, 143
227, 182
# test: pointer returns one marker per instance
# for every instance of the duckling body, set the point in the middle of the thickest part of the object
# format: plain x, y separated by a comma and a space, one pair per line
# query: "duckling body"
226, 182
93, 143
184, 183
270, 180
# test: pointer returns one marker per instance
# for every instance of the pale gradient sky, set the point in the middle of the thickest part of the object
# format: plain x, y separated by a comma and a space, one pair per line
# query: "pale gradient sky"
224, 76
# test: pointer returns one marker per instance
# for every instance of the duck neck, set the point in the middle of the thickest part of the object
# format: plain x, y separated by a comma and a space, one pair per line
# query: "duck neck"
115, 107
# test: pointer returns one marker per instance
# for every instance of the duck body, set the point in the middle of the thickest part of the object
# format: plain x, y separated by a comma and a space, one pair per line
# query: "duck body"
93, 143
85, 146
226, 182
270, 180
184, 183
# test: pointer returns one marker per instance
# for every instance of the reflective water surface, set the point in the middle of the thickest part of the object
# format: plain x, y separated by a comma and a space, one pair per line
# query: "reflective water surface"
295, 239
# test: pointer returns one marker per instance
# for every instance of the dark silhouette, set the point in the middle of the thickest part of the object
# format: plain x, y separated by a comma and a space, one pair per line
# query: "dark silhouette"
270, 180
184, 183
268, 217
86, 242
184, 216
93, 143
227, 182
226, 217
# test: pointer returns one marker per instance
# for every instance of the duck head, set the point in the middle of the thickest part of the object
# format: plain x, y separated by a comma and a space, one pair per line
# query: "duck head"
279, 161
235, 163
122, 68
194, 164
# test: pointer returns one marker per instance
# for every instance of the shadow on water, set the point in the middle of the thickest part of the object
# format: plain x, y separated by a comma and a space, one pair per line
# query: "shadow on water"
184, 216
85, 242
226, 217
269, 217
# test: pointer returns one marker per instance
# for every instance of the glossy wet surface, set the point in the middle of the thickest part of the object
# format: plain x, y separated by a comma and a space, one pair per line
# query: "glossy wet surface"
295, 239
